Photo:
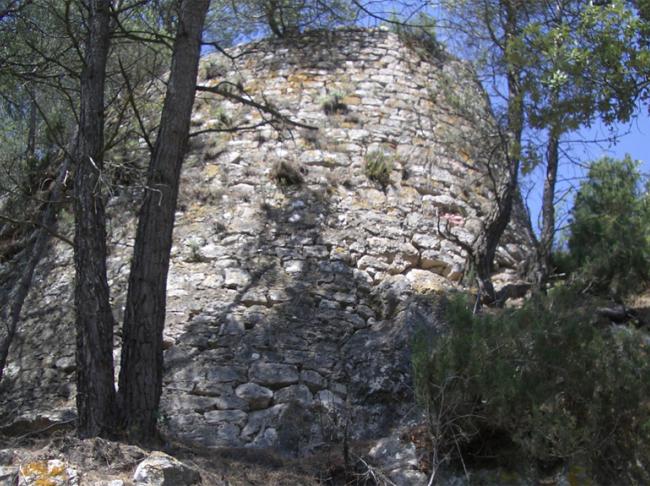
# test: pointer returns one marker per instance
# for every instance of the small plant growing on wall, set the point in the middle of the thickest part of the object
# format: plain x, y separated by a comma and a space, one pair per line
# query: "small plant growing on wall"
378, 167
286, 174
195, 255
213, 70
221, 117
333, 103
312, 137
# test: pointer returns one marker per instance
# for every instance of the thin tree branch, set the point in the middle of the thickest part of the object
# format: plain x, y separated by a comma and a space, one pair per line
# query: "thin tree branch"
222, 89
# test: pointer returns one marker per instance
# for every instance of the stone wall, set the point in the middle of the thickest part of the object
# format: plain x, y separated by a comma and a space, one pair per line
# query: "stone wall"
291, 305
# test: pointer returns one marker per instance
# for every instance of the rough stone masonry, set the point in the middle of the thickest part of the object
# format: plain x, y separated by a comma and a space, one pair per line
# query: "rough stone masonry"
298, 274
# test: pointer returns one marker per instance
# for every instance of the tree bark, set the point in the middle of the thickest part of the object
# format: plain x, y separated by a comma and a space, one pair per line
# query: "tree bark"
94, 319
140, 382
484, 249
545, 246
30, 151
35, 254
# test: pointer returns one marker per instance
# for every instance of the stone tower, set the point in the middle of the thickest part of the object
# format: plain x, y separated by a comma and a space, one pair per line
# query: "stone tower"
308, 249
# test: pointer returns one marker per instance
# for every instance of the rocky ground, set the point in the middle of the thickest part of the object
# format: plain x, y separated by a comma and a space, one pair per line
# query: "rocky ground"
63, 459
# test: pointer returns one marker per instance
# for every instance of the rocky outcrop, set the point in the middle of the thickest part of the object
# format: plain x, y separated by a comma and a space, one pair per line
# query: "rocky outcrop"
304, 259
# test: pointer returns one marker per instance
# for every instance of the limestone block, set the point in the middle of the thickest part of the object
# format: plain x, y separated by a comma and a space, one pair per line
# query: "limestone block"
426, 241
273, 374
408, 477
294, 393
339, 388
313, 380
316, 251
256, 396
235, 278
8, 475
235, 417
188, 421
391, 453
160, 469
433, 260
184, 402
400, 264
223, 374
268, 438
328, 304
229, 402
209, 388
259, 420
278, 295
294, 266
222, 434
367, 261
328, 400
426, 281
212, 251
254, 296
6, 457
345, 297
67, 364
54, 472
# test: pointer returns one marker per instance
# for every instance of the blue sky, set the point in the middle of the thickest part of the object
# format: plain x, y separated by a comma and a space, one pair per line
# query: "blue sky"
633, 139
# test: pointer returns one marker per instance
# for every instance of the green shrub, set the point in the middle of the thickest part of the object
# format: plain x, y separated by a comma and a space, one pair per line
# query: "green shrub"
378, 167
418, 33
333, 103
609, 232
286, 174
213, 69
542, 381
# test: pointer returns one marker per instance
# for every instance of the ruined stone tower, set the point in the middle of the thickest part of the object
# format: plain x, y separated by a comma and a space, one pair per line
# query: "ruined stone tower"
306, 254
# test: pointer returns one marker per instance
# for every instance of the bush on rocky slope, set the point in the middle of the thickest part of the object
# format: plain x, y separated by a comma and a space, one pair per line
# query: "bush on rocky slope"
545, 384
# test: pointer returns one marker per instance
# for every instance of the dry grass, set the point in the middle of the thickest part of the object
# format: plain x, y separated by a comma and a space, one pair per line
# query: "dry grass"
100, 459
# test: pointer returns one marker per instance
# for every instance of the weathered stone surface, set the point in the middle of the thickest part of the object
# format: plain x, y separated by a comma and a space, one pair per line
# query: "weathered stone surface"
398, 460
236, 417
8, 475
311, 291
390, 453
408, 477
294, 393
260, 420
273, 374
184, 402
6, 457
235, 278
255, 395
313, 380
53, 473
328, 400
160, 469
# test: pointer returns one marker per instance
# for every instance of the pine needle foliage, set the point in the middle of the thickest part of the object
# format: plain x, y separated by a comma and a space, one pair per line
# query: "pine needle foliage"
546, 380
609, 233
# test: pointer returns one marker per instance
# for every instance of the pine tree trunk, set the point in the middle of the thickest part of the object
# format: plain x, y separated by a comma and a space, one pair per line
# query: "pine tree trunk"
94, 319
140, 382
